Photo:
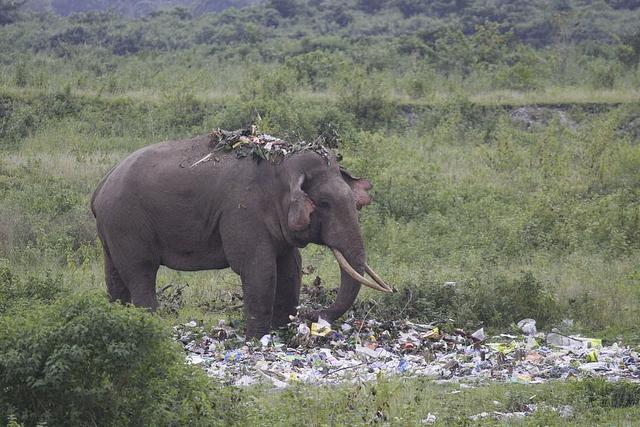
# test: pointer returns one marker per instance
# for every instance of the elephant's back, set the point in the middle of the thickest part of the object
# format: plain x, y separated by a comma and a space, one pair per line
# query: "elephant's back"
153, 162
166, 157
179, 169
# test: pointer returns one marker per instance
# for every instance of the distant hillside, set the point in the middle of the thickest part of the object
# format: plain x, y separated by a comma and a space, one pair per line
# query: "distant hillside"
414, 49
133, 8
535, 22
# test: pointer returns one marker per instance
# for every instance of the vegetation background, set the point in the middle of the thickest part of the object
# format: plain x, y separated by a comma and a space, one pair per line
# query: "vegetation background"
502, 139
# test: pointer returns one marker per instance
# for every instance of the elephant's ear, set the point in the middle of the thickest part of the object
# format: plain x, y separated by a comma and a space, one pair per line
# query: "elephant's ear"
360, 188
300, 207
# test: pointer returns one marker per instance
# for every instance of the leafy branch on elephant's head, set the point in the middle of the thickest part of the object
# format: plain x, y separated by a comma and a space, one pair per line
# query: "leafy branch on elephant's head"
248, 142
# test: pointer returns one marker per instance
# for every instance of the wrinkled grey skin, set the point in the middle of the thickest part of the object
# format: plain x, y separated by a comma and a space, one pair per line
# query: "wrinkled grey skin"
156, 208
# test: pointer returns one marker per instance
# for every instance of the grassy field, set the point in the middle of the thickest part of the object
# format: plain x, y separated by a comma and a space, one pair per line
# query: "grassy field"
513, 174
464, 192
538, 221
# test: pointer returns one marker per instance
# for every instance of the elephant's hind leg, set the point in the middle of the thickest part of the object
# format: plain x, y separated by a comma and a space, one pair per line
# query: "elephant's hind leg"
136, 276
116, 288
141, 280
289, 276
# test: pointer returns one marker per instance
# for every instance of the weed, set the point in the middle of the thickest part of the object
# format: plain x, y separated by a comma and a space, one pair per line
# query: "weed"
605, 393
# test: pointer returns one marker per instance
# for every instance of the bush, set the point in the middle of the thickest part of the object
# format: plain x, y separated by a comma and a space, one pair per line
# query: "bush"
494, 302
368, 100
184, 112
604, 73
35, 288
316, 68
601, 392
286, 8
16, 122
84, 361
504, 301
518, 77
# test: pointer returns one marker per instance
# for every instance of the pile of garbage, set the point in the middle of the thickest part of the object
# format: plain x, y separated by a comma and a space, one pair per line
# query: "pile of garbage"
358, 350
249, 142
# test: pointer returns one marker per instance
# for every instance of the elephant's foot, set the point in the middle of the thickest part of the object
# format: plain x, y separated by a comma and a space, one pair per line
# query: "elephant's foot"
256, 331
281, 319
314, 315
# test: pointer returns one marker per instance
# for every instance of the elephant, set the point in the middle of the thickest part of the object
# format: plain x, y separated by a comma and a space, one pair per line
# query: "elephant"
159, 206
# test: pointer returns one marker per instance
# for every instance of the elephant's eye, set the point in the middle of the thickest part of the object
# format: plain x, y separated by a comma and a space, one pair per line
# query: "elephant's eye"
323, 204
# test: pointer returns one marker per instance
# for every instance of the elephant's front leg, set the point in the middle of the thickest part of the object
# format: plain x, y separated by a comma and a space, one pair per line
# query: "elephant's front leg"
289, 276
259, 289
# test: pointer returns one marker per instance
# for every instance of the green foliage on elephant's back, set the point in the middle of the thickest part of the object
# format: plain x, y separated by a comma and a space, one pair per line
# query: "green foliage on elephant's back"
84, 361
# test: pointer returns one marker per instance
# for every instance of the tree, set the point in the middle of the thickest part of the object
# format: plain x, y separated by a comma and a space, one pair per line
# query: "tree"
371, 6
9, 10
286, 8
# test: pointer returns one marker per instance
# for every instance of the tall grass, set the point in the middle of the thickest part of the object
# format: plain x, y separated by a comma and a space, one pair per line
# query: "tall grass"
463, 192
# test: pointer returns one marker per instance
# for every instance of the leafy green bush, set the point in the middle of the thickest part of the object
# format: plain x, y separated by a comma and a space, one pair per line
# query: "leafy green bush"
518, 76
368, 100
606, 394
503, 301
39, 288
85, 361
316, 68
184, 112
17, 120
482, 299
604, 74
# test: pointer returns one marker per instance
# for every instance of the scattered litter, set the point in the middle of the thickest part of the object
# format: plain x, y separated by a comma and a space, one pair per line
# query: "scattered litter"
303, 329
358, 350
321, 329
565, 411
528, 326
557, 339
479, 416
479, 335
429, 419
265, 340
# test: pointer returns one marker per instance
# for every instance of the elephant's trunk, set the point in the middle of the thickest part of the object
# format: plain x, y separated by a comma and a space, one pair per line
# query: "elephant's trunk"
352, 268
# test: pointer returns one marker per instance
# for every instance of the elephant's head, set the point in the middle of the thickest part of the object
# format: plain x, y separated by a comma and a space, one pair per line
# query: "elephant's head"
321, 207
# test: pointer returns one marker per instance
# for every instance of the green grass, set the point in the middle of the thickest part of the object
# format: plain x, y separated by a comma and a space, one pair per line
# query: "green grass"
577, 95
406, 402
466, 195
530, 221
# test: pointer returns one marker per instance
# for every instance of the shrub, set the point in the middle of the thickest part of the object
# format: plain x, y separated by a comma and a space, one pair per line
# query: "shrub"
21, 77
184, 112
506, 300
10, 11
368, 100
17, 121
604, 73
286, 8
315, 68
518, 77
84, 361
495, 302
601, 392
44, 287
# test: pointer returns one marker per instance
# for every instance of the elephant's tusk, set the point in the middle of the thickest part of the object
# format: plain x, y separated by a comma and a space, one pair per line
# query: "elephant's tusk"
355, 275
377, 278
